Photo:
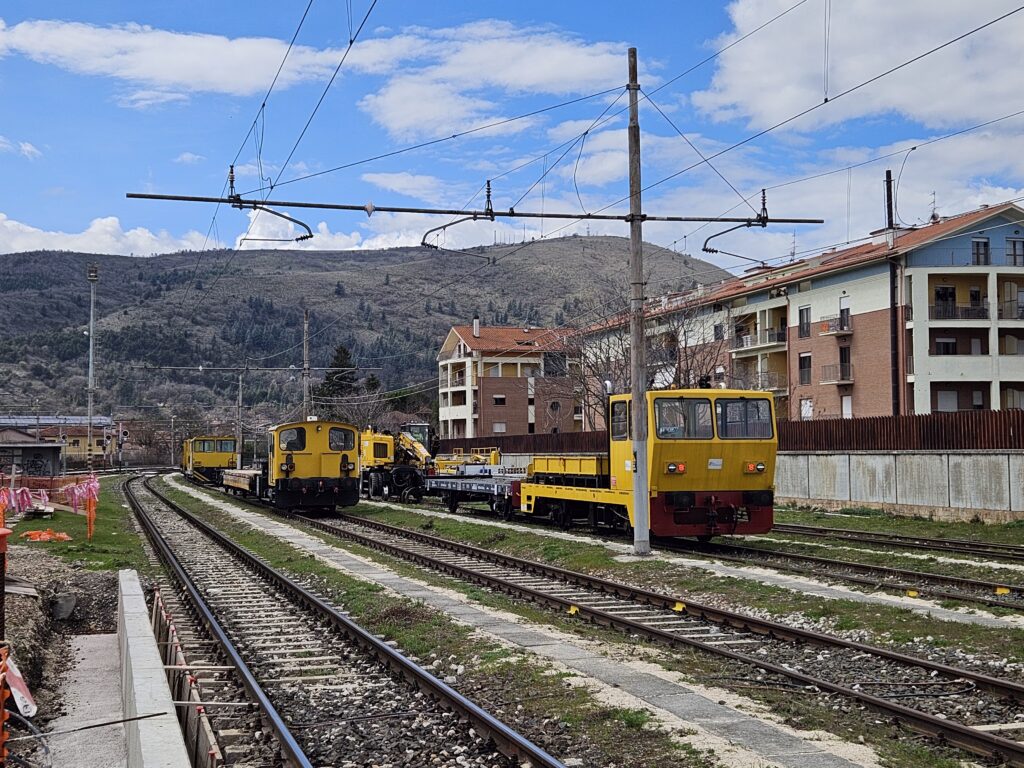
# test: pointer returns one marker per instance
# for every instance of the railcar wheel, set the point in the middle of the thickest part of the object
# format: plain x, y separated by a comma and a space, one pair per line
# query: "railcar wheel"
453, 502
705, 538
376, 485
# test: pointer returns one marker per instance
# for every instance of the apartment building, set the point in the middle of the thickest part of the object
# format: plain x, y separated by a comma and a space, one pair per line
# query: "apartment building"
913, 320
499, 380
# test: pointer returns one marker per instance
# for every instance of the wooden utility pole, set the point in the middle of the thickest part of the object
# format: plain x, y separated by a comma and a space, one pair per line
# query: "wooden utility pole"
637, 352
305, 365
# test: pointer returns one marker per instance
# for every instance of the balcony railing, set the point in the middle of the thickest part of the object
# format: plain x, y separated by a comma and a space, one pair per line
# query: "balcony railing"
910, 365
768, 381
764, 338
908, 313
950, 311
841, 373
1011, 310
837, 325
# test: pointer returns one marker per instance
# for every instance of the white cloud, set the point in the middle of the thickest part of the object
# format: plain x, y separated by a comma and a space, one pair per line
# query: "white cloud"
265, 228
422, 187
103, 235
28, 150
163, 66
23, 148
466, 73
779, 71
189, 158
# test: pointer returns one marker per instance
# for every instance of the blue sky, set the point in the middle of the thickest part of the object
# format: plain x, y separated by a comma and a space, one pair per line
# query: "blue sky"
101, 98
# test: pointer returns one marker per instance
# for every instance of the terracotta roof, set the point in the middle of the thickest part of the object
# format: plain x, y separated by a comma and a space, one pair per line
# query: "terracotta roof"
906, 240
509, 339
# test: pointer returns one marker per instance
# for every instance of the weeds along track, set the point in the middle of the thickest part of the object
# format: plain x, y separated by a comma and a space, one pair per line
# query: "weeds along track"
332, 693
984, 549
917, 583
973, 711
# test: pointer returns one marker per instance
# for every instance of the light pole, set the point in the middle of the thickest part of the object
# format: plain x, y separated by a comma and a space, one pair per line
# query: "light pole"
172, 438
92, 275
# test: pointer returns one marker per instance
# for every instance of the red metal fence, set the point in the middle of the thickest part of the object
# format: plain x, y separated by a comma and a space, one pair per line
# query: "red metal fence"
959, 431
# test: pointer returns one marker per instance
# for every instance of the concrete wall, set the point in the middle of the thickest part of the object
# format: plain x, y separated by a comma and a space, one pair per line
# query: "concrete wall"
965, 486
156, 742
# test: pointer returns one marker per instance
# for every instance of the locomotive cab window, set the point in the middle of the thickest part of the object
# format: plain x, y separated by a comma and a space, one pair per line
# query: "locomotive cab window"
226, 446
620, 420
744, 419
293, 439
683, 418
205, 446
339, 439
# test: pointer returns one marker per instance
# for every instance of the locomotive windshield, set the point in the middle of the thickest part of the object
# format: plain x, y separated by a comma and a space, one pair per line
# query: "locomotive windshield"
226, 446
339, 439
682, 418
743, 418
293, 439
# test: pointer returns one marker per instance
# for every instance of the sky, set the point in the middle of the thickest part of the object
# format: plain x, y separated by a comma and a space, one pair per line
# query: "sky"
103, 98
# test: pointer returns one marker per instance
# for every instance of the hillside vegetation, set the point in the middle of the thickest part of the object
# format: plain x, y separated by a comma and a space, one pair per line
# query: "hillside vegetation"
390, 307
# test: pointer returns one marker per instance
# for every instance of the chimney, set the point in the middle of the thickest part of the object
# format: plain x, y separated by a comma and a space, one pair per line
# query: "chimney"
890, 223
476, 326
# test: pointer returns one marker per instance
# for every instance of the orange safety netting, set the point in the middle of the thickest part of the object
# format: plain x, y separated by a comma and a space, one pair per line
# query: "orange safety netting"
48, 535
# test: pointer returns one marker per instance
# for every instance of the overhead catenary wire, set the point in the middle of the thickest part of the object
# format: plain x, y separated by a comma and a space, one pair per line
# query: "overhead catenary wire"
291, 153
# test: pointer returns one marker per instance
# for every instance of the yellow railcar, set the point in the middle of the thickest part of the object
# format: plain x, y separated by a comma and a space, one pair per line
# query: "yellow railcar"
710, 466
313, 464
204, 458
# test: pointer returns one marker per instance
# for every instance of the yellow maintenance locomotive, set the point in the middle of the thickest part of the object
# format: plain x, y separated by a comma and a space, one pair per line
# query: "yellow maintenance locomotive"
204, 458
710, 467
311, 465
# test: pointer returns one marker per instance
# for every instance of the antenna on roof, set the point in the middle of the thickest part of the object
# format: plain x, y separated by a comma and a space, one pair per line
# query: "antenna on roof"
934, 218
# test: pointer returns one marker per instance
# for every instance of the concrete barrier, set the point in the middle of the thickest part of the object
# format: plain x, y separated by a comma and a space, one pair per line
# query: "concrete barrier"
945, 485
156, 742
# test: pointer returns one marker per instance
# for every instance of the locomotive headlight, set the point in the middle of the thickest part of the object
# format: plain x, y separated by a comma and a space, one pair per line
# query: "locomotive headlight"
760, 466
754, 467
675, 468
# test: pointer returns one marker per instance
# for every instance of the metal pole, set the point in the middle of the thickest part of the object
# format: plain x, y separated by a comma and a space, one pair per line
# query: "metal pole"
93, 275
637, 356
238, 426
172, 438
305, 365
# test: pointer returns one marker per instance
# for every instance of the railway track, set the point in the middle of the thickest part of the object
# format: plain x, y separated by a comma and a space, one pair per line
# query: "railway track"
1007, 552
910, 582
331, 692
960, 707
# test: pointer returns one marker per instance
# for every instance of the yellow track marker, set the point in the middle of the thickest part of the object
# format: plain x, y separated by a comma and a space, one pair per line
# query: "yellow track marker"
679, 607
573, 610
912, 593
1002, 590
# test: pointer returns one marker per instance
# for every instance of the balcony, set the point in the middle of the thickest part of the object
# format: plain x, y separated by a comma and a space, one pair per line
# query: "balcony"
841, 373
770, 381
835, 325
762, 339
950, 311
1011, 310
910, 365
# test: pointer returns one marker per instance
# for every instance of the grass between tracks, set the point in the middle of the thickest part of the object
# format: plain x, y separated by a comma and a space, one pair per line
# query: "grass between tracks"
115, 543
531, 695
896, 748
887, 625
877, 521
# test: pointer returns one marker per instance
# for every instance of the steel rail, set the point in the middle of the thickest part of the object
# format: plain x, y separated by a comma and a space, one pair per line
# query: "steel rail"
966, 737
507, 741
1010, 552
716, 549
289, 746
743, 554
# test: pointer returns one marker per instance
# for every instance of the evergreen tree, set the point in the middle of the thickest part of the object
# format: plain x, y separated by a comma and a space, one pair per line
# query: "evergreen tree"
340, 383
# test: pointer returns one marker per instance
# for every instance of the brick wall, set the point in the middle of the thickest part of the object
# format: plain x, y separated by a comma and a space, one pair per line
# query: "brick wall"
872, 370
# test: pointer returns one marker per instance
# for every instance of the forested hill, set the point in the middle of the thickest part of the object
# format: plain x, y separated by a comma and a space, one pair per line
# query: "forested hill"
390, 307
